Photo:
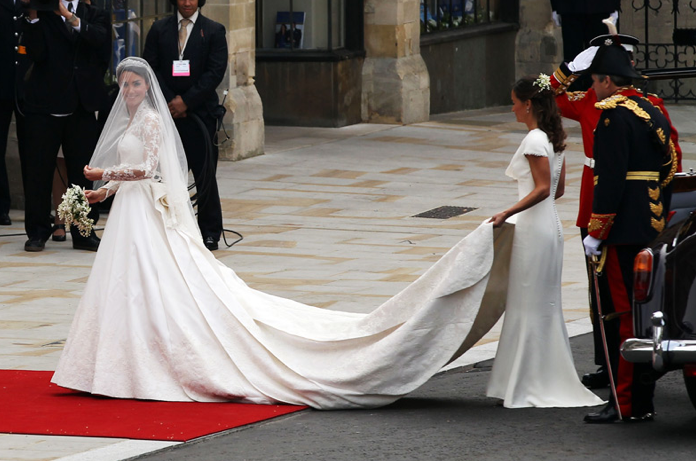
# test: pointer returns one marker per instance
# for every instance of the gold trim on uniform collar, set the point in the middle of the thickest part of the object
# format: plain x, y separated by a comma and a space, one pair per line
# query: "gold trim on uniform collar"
620, 100
611, 102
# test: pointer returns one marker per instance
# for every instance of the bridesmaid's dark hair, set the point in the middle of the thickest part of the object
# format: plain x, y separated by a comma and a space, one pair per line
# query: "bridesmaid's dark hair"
544, 109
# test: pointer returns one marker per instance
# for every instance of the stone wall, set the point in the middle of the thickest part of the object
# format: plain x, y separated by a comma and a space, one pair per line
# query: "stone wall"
539, 46
244, 118
396, 85
321, 93
472, 69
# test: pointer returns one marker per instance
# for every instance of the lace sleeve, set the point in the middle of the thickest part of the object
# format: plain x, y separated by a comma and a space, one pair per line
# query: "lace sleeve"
111, 188
150, 136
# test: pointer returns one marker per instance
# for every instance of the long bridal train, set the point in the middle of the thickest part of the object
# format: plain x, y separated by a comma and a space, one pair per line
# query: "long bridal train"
162, 319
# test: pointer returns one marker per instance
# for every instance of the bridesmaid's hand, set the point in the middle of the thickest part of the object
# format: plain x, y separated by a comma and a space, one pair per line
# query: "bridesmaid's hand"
498, 219
93, 174
94, 196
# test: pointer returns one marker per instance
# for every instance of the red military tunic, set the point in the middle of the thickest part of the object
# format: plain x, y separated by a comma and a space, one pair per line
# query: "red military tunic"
580, 106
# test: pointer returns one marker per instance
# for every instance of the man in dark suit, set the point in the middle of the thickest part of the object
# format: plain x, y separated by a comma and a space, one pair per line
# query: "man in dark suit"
64, 88
188, 53
10, 60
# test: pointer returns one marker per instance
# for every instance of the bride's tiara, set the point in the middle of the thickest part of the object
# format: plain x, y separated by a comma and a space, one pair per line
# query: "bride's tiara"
132, 61
134, 64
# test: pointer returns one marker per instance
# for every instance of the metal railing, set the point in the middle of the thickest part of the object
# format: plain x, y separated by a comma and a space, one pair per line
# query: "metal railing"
665, 61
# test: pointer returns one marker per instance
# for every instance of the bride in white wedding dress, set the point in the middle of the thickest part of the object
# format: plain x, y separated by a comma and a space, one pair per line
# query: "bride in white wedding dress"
162, 319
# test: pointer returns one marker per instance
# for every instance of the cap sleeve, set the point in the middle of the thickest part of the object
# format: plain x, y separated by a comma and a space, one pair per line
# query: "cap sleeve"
536, 143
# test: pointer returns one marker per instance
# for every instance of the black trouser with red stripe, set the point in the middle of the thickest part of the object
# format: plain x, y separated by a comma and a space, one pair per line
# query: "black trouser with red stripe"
635, 382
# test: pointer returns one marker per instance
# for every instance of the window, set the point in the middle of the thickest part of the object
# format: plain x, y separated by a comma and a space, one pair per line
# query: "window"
442, 15
131, 21
295, 25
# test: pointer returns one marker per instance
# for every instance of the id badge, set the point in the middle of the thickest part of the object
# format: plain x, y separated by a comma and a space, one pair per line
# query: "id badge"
181, 68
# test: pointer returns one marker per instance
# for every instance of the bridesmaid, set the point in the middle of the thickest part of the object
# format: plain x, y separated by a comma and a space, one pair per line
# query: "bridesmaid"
534, 364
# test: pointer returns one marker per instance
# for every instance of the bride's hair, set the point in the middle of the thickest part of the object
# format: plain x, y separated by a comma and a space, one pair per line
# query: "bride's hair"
543, 107
132, 67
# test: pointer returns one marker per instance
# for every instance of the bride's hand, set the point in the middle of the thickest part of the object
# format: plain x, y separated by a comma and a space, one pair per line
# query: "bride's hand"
94, 196
498, 219
93, 174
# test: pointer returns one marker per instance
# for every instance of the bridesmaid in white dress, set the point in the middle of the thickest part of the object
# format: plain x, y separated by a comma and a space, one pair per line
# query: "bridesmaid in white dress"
533, 365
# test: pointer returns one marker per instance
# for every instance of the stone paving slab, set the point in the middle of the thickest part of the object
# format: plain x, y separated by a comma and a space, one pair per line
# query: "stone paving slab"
328, 219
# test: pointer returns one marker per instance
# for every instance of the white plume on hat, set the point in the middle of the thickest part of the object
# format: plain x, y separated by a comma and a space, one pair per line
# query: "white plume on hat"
611, 25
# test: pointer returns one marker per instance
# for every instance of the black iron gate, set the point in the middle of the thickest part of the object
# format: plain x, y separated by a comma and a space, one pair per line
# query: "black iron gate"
671, 62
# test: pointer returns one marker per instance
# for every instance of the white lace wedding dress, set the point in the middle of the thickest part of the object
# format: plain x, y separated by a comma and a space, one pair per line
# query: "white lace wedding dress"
534, 364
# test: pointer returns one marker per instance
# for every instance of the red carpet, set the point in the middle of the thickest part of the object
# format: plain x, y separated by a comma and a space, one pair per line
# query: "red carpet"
31, 404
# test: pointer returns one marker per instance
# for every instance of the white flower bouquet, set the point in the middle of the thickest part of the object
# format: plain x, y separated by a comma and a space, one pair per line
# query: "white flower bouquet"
74, 210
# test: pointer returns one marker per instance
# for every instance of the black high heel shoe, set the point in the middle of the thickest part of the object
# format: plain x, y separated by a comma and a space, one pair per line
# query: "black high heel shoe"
59, 238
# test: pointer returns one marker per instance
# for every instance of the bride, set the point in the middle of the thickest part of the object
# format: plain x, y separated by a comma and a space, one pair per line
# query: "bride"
162, 319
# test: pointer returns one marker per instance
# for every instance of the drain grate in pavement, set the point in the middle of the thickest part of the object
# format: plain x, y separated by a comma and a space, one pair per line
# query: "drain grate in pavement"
444, 212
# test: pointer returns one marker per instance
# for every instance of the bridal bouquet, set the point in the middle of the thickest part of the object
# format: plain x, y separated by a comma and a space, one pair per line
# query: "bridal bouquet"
74, 209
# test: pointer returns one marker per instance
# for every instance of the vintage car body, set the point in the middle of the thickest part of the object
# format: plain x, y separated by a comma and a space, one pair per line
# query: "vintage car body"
664, 293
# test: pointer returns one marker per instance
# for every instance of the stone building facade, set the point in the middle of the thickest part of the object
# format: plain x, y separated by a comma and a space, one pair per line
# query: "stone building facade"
386, 67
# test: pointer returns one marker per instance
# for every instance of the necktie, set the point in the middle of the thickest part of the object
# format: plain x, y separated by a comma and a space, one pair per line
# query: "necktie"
70, 10
182, 35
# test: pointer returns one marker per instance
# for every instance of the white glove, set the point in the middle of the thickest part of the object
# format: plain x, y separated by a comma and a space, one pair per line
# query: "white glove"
592, 246
614, 17
583, 60
557, 18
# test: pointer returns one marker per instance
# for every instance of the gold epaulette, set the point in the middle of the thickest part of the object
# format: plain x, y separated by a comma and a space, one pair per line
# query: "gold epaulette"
633, 106
610, 102
619, 100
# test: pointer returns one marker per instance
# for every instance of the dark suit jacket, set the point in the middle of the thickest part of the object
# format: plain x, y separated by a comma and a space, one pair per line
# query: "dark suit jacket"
206, 50
585, 6
67, 67
10, 30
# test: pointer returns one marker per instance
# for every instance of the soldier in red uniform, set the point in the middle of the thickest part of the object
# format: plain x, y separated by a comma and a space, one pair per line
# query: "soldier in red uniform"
580, 106
634, 161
